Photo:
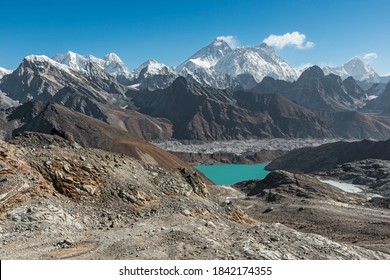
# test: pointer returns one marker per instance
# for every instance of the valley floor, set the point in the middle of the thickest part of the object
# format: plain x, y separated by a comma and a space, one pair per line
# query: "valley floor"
242, 146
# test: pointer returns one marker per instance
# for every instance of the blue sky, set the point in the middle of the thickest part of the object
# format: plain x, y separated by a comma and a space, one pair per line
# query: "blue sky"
171, 31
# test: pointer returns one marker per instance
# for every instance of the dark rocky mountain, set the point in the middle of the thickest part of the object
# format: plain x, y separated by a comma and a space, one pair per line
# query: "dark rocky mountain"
202, 113
317, 91
376, 89
328, 156
51, 118
356, 125
289, 117
380, 104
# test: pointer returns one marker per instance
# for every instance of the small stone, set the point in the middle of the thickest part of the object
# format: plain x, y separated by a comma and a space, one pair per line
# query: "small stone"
210, 224
269, 209
82, 158
186, 212
274, 238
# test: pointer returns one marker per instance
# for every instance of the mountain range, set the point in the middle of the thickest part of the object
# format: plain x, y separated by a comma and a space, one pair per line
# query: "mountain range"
218, 93
217, 65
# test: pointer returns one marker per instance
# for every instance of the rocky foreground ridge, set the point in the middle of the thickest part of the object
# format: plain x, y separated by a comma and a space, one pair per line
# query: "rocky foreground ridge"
61, 201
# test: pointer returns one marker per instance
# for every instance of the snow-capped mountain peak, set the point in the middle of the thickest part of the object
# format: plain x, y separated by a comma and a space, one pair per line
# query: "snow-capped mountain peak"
355, 68
4, 72
114, 66
152, 67
259, 61
112, 57
39, 59
73, 60
111, 63
206, 57
217, 64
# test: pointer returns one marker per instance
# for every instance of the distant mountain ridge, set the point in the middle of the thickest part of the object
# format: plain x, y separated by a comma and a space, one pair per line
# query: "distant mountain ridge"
359, 70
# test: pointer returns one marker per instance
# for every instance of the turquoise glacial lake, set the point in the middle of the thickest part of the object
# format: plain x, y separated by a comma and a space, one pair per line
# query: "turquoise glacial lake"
227, 174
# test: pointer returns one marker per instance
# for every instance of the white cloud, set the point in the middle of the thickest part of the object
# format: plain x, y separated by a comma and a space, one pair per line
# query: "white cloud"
370, 56
230, 40
295, 39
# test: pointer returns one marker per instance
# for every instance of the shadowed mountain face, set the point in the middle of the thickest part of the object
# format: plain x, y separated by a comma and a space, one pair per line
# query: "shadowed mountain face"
380, 104
328, 156
49, 118
209, 114
317, 91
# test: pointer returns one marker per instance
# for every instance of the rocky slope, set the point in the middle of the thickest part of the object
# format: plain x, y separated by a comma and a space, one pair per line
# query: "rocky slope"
328, 156
61, 202
357, 125
373, 174
51, 118
304, 203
